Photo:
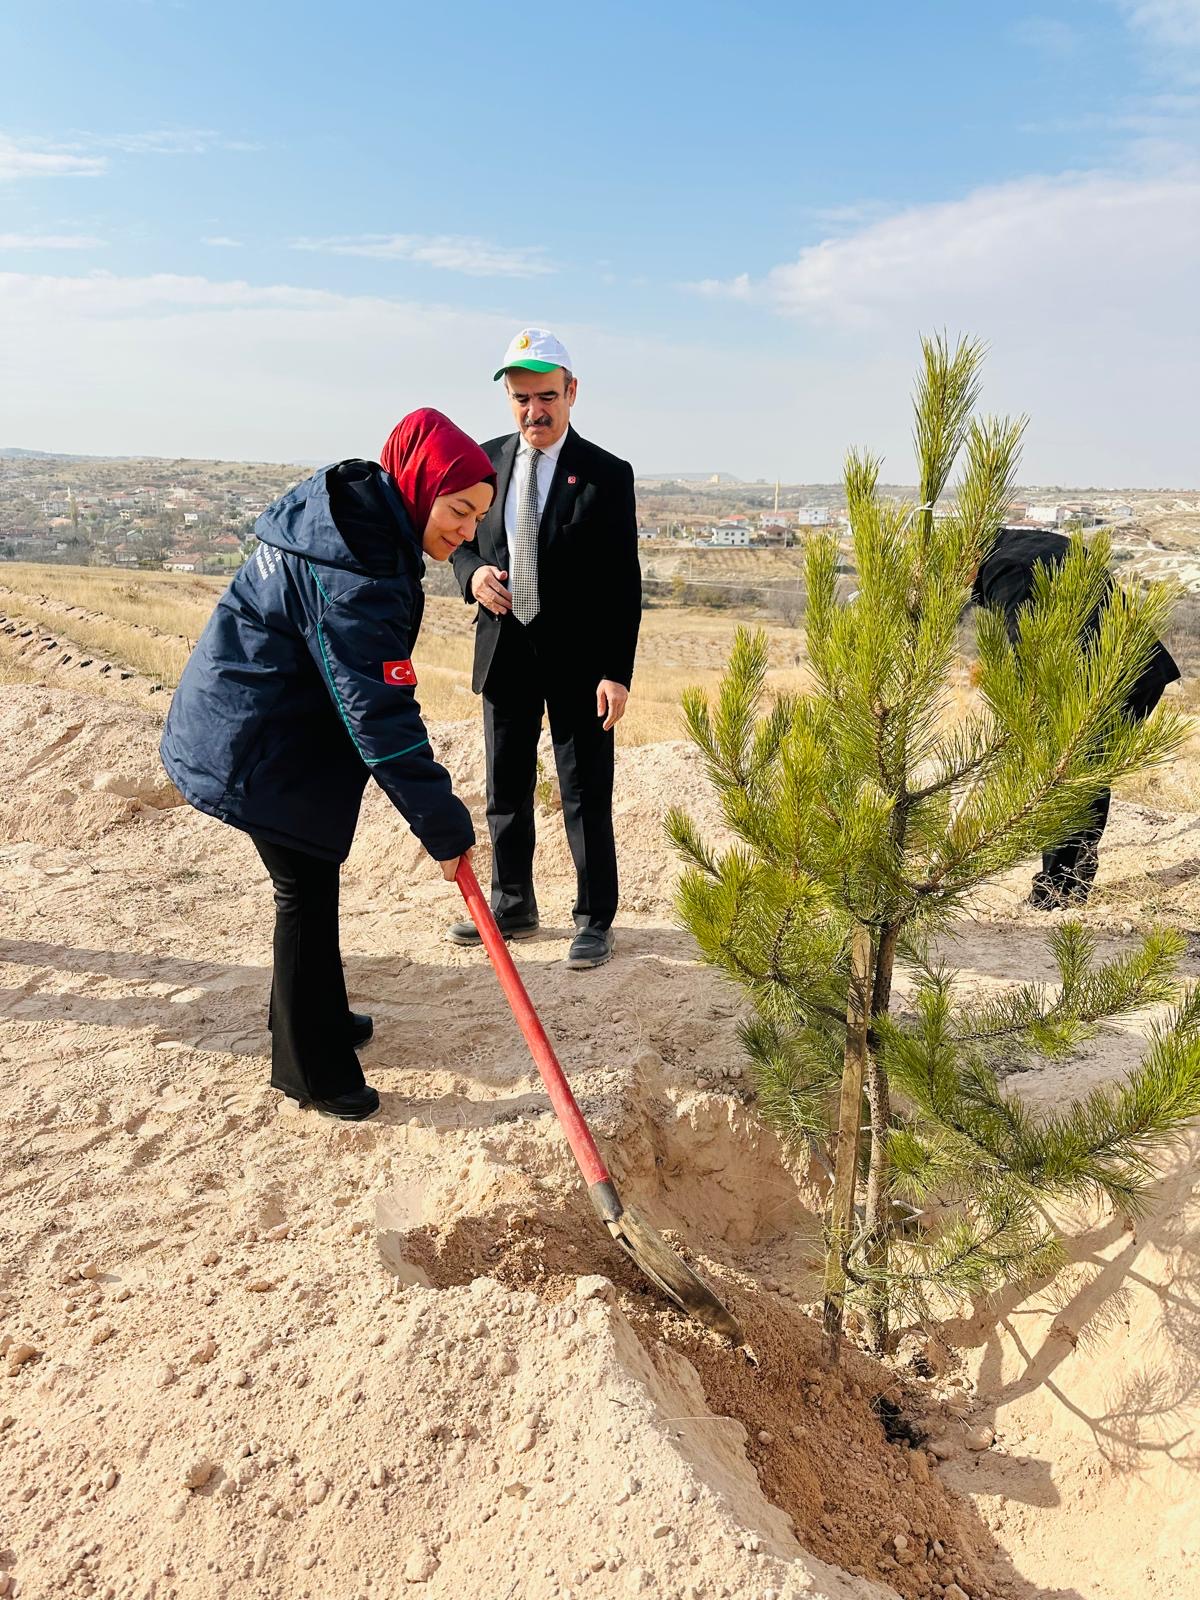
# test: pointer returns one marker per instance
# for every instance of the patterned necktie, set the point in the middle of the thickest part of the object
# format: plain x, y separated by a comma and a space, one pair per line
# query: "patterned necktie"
525, 547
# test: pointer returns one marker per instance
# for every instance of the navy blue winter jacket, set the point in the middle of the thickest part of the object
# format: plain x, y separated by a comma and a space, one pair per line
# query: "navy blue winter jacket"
300, 687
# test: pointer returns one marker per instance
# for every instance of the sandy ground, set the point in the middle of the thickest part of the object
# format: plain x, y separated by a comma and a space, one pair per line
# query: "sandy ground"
248, 1352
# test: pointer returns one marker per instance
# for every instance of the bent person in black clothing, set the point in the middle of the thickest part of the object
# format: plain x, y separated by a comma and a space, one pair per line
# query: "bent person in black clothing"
1005, 581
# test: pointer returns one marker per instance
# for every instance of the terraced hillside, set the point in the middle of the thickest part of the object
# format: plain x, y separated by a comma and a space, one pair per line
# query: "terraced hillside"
130, 633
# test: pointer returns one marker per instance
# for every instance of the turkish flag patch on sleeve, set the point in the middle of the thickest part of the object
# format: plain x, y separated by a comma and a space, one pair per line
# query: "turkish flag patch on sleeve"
400, 673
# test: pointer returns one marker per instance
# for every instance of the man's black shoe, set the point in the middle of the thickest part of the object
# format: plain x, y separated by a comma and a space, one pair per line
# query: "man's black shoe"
353, 1107
1046, 895
1056, 894
510, 928
591, 947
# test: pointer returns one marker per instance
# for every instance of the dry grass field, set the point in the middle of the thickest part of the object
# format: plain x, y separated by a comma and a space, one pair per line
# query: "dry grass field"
149, 621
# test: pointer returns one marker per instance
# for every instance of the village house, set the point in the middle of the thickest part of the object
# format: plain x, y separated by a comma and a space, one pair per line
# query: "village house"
775, 531
725, 536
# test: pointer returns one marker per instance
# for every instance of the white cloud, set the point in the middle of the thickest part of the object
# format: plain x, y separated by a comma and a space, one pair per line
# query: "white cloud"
1173, 24
194, 366
1083, 285
107, 294
49, 241
1038, 253
29, 158
222, 241
739, 288
851, 214
167, 142
84, 155
1050, 36
449, 252
1169, 31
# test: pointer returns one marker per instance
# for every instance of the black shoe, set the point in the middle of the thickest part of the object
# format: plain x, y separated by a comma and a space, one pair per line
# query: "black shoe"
1046, 894
1056, 894
510, 928
353, 1107
591, 947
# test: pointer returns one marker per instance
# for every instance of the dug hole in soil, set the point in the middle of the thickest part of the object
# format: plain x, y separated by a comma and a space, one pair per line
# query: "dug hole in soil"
248, 1352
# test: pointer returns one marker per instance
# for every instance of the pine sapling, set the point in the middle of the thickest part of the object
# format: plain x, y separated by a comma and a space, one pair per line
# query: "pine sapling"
864, 816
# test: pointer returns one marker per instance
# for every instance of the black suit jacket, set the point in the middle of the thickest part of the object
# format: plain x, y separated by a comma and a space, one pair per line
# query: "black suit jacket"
589, 580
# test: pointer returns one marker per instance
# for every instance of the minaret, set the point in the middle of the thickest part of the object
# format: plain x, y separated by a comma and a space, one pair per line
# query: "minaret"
777, 494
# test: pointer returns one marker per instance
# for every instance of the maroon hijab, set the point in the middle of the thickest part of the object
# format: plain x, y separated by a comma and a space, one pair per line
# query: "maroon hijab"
428, 456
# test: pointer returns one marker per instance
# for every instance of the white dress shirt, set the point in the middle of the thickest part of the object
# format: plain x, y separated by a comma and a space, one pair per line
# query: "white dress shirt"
520, 477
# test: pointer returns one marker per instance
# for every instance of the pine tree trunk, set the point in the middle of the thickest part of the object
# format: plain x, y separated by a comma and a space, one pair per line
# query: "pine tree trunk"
879, 1102
840, 1225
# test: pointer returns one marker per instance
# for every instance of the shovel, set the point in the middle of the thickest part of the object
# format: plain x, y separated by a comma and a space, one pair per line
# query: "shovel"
645, 1248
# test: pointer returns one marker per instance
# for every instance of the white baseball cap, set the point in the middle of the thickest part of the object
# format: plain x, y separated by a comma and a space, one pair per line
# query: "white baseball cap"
536, 349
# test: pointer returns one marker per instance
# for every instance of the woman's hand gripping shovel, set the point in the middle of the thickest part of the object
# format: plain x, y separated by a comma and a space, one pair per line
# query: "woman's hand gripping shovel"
645, 1248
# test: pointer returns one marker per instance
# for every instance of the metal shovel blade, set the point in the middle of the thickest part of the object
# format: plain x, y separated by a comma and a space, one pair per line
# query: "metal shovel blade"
652, 1255
644, 1247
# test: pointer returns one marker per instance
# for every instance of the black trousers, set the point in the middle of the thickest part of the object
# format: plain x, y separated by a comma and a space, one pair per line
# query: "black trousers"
311, 1054
1072, 865
526, 678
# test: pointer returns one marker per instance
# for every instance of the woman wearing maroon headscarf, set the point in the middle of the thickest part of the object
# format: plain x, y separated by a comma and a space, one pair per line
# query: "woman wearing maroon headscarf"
301, 687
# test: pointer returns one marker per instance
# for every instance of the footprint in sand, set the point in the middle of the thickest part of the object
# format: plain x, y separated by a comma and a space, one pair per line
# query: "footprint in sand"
241, 1103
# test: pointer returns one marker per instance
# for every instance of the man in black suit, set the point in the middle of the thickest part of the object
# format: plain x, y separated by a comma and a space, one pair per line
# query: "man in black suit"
1005, 580
554, 572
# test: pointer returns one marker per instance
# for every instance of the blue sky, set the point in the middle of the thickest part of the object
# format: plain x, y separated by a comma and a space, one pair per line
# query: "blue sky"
267, 230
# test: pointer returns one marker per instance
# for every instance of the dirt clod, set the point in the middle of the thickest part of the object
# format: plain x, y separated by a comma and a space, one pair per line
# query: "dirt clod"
197, 1472
420, 1566
17, 1355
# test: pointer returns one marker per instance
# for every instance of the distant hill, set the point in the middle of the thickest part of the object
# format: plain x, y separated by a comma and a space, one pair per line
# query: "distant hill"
12, 453
687, 477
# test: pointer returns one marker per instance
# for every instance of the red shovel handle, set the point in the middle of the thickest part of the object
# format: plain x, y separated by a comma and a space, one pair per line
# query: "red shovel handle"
583, 1146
